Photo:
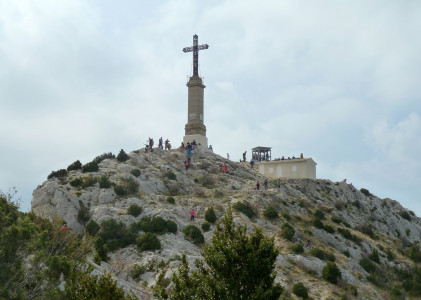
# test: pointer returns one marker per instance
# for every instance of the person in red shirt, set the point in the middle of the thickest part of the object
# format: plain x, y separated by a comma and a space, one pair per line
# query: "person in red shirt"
192, 213
64, 227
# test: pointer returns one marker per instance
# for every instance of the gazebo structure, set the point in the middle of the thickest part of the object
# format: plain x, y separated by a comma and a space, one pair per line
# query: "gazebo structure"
261, 153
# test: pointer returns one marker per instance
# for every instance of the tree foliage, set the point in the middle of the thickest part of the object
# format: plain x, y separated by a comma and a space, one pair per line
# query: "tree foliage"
236, 266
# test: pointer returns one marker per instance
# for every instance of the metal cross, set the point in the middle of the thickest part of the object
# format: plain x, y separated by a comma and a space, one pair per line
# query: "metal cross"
195, 49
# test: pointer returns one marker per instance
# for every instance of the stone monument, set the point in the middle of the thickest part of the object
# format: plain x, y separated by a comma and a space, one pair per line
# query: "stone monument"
195, 129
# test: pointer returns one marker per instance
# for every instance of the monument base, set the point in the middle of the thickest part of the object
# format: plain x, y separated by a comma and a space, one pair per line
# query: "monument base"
200, 139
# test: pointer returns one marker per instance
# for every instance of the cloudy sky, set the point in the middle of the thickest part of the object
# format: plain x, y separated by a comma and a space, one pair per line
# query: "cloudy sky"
338, 81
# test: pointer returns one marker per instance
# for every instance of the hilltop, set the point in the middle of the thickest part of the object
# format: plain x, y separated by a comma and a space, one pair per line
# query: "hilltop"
373, 241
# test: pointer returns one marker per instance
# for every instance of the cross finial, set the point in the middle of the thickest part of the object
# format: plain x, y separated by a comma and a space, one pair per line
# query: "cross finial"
195, 49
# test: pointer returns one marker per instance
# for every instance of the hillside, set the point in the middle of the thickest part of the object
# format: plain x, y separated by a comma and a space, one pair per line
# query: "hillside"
354, 228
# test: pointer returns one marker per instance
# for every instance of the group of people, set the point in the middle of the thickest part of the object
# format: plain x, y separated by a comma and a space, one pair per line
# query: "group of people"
266, 184
293, 157
149, 145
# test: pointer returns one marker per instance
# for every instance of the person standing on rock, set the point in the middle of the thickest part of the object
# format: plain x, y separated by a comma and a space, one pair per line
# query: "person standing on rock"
187, 164
258, 185
265, 184
228, 156
192, 213
278, 184
160, 143
244, 156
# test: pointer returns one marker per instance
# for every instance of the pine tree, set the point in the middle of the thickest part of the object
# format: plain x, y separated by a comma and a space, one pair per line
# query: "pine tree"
235, 266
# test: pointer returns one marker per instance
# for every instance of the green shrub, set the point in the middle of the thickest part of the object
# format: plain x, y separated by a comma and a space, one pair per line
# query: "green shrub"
171, 200
148, 241
245, 208
405, 215
137, 271
101, 250
134, 210
119, 190
210, 215
122, 156
319, 214
348, 235
127, 186
374, 256
76, 182
270, 212
92, 228
297, 248
323, 255
367, 265
329, 229
89, 181
193, 234
170, 175
104, 182
389, 254
318, 224
331, 272
205, 226
286, 215
366, 229
103, 156
346, 253
287, 231
365, 192
57, 174
357, 204
208, 181
300, 290
335, 219
196, 180
77, 165
83, 213
135, 172
116, 235
414, 253
90, 167
171, 226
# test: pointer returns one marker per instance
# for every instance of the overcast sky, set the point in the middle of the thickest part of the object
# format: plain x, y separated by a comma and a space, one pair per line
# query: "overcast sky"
336, 80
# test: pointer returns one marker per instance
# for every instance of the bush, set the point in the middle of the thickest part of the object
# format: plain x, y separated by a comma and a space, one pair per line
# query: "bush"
171, 226
122, 156
287, 231
135, 172
331, 272
92, 228
103, 156
127, 186
328, 229
414, 253
405, 215
374, 256
205, 226
297, 248
83, 214
89, 181
286, 215
77, 165
357, 204
137, 271
171, 200
134, 210
366, 229
90, 167
170, 175
335, 219
208, 181
365, 192
148, 241
155, 225
193, 234
323, 255
318, 224
210, 215
367, 265
104, 182
115, 235
245, 208
300, 290
270, 213
76, 182
348, 235
319, 214
57, 174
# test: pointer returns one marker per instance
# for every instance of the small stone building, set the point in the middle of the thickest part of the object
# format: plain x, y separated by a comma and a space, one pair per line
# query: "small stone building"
288, 168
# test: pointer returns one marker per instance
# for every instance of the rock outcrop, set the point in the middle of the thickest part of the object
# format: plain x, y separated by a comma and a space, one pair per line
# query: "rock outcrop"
374, 223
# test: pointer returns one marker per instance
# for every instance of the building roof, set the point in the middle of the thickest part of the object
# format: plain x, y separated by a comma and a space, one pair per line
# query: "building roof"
260, 148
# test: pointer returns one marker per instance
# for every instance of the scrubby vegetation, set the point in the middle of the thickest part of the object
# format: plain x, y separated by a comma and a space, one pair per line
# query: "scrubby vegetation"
57, 174
170, 175
206, 226
103, 156
323, 255
154, 225
331, 272
148, 242
193, 234
90, 167
77, 165
287, 231
300, 290
245, 208
126, 186
270, 212
122, 156
134, 210
170, 200
104, 182
92, 227
210, 215
135, 172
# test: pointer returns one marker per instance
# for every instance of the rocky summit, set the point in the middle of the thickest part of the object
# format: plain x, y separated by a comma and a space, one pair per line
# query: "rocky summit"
371, 240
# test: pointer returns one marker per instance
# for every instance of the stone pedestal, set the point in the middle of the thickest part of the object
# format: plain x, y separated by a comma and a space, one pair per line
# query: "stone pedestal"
195, 129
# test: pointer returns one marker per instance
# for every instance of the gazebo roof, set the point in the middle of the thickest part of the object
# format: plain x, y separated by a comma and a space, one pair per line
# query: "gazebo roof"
261, 149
